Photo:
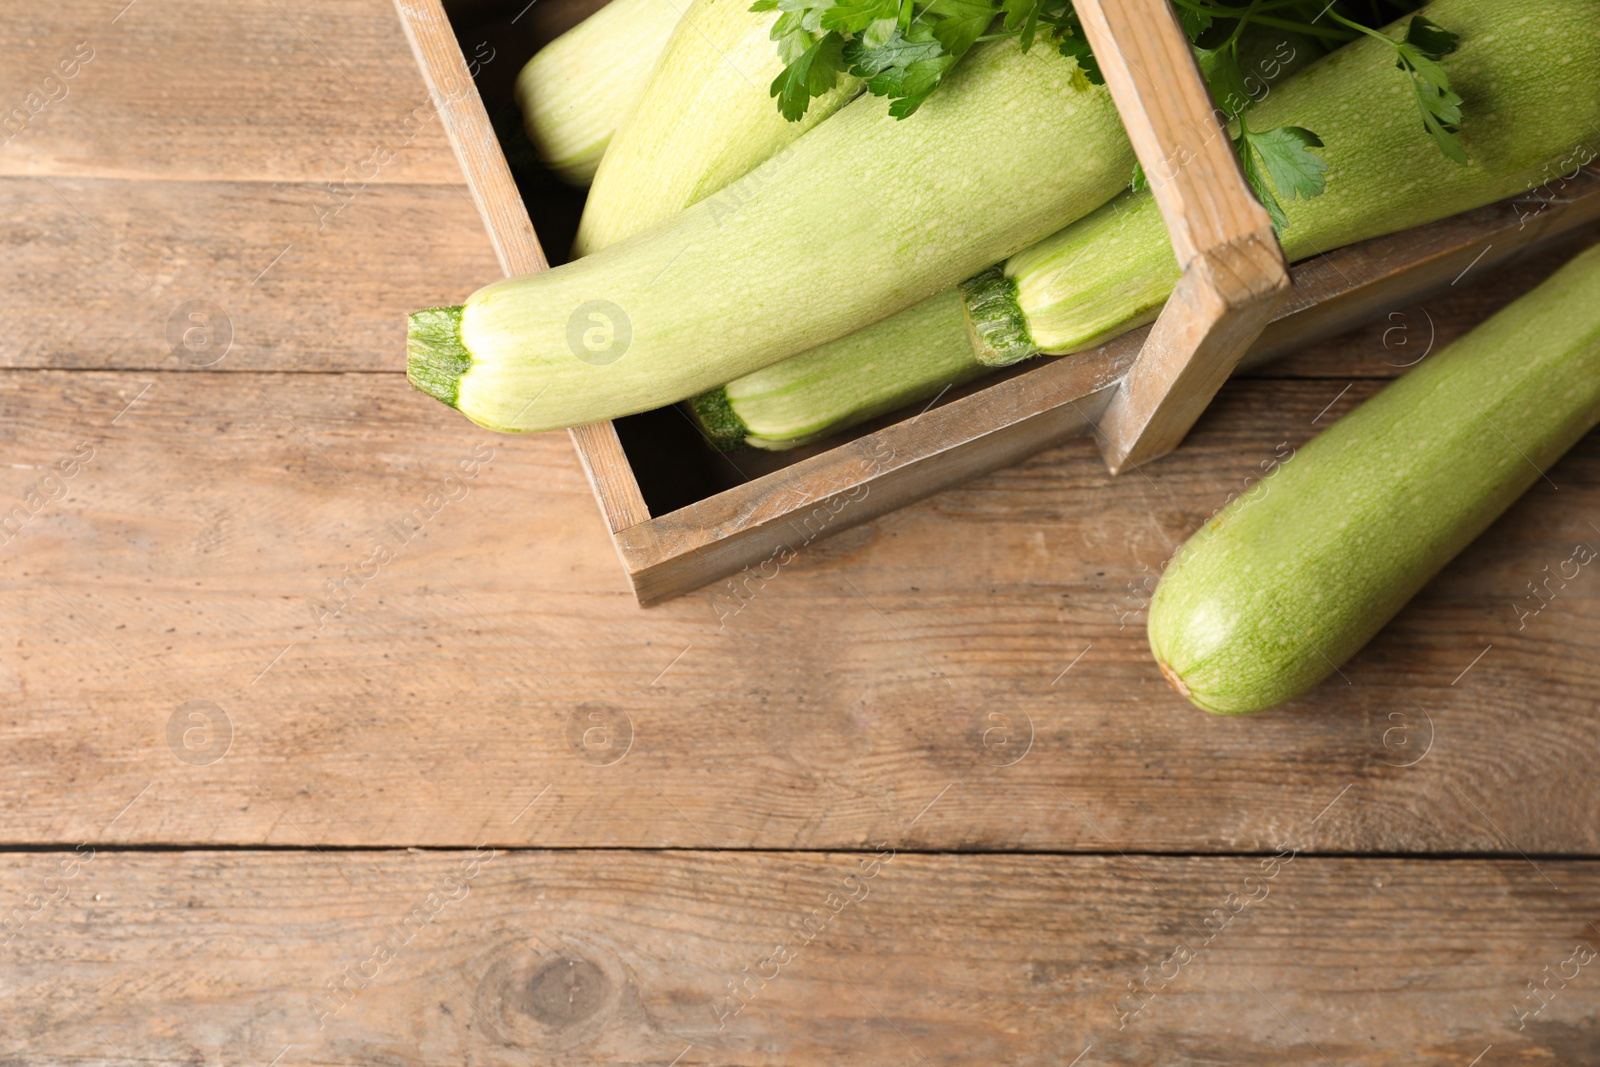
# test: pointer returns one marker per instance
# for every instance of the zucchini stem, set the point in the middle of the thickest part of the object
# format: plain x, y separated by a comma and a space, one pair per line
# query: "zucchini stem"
723, 427
435, 357
999, 328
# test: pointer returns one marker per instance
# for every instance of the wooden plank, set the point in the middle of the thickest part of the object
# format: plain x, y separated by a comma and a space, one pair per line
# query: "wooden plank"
119, 258
822, 703
251, 90
605, 958
1234, 271
122, 258
105, 273
117, 249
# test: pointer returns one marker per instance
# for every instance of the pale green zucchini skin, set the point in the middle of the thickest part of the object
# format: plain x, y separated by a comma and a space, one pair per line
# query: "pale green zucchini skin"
579, 89
1113, 269
705, 120
785, 399
1291, 579
862, 217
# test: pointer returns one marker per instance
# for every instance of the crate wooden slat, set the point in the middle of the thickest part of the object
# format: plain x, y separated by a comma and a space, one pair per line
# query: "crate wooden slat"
1233, 270
471, 134
876, 472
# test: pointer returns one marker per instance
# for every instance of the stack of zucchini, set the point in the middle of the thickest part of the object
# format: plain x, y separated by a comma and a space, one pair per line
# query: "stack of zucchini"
810, 274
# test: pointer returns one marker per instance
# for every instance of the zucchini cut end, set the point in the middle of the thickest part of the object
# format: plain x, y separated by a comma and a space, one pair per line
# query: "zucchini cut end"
713, 413
436, 358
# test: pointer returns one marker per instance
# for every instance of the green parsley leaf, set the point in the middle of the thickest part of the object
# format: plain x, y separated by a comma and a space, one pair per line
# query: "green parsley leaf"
1441, 117
1296, 172
901, 50
854, 16
959, 23
1220, 67
1279, 162
1432, 40
812, 74
906, 68
1418, 55
878, 32
1194, 22
1022, 17
1074, 47
1259, 183
793, 37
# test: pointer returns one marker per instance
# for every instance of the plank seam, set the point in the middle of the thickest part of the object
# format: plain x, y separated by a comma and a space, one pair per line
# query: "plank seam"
1463, 856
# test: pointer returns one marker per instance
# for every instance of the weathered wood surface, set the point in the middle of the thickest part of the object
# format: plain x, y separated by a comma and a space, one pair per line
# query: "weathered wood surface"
99, 273
94, 270
606, 958
250, 90
176, 673
230, 541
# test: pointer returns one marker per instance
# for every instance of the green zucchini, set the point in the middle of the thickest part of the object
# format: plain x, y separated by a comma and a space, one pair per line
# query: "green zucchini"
1291, 579
579, 89
992, 163
705, 120
795, 411
1114, 269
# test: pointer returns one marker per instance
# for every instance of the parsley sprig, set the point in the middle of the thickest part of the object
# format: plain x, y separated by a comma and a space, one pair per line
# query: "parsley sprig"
904, 48
1426, 42
1282, 153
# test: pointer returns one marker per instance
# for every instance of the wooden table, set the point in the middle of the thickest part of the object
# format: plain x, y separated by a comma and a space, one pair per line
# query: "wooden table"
272, 796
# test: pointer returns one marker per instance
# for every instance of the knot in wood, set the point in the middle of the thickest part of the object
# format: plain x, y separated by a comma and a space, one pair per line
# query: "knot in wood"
564, 992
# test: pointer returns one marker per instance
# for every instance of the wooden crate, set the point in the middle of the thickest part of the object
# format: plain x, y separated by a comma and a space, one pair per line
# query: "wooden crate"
782, 501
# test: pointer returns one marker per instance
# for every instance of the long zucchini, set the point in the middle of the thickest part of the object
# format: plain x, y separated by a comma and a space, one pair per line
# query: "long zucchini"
1292, 578
989, 165
1113, 269
793, 396
706, 119
580, 88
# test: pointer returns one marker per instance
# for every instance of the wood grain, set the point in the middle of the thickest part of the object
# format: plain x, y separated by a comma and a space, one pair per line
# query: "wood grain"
95, 272
250, 90
822, 704
117, 258
604, 958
